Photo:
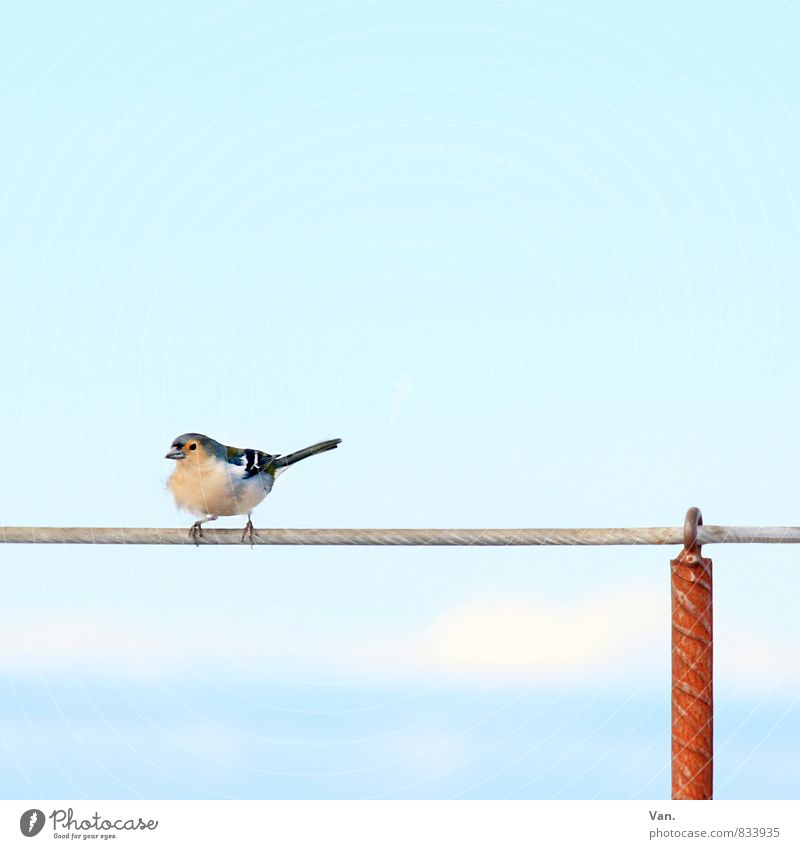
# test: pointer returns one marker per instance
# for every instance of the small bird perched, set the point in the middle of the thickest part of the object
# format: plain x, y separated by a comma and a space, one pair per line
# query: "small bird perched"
212, 480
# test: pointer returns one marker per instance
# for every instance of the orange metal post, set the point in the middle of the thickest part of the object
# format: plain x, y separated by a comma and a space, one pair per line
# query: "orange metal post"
692, 671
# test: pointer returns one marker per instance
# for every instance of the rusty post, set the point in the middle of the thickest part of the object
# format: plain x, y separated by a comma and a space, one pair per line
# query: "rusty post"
692, 672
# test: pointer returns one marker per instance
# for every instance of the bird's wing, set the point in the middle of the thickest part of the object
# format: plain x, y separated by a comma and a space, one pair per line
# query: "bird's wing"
250, 462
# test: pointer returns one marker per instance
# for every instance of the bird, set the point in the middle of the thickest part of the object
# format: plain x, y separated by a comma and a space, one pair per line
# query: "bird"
212, 480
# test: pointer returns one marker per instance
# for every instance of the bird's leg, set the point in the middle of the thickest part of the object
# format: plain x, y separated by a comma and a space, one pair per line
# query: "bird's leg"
196, 530
249, 529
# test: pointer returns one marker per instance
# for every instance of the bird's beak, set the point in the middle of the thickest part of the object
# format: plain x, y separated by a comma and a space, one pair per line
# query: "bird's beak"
174, 454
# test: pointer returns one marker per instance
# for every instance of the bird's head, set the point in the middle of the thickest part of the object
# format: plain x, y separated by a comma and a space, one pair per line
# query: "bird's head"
192, 446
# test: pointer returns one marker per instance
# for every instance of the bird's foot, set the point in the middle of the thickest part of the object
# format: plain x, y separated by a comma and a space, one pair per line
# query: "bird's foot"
250, 531
196, 531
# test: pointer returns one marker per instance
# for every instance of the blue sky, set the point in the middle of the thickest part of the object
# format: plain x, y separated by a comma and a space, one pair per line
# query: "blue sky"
535, 264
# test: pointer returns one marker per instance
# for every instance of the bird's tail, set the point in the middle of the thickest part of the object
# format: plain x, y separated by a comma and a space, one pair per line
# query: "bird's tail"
289, 459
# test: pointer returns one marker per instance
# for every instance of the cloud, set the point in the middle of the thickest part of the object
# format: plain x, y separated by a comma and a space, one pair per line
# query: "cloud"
753, 661
529, 636
513, 635
37, 644
623, 633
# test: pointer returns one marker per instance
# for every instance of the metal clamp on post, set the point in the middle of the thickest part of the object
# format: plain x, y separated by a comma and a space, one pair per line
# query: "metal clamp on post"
692, 667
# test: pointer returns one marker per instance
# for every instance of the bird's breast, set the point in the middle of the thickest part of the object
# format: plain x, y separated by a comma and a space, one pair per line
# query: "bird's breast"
216, 489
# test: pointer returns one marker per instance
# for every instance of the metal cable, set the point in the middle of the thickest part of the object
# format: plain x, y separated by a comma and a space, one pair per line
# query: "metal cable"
707, 535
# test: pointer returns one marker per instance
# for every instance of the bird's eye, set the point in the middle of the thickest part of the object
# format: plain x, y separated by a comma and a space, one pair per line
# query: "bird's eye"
193, 446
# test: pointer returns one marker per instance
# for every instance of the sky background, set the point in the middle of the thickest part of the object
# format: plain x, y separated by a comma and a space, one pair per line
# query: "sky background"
535, 263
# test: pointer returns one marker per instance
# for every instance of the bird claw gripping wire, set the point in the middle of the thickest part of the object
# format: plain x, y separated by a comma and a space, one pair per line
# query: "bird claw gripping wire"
249, 531
195, 532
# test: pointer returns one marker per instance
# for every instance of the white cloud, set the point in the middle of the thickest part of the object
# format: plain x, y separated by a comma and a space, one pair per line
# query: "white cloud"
752, 661
528, 636
506, 636
623, 633
36, 644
